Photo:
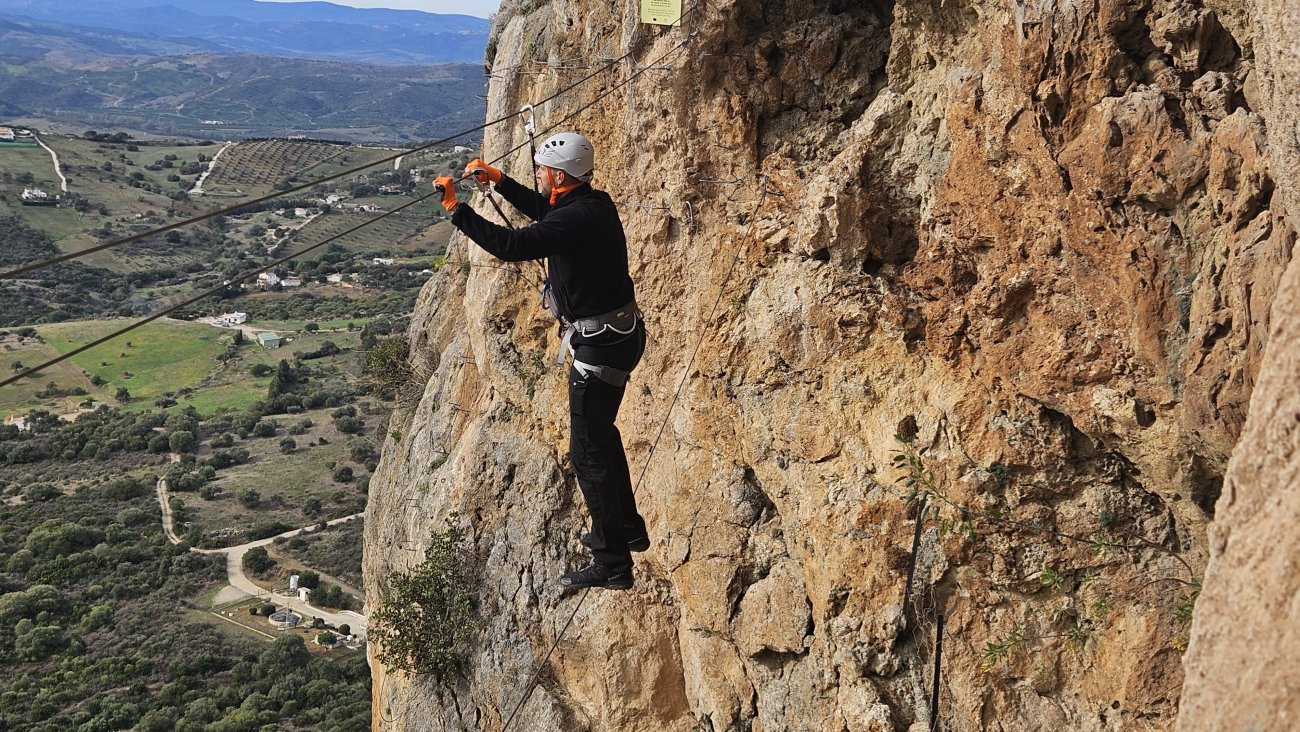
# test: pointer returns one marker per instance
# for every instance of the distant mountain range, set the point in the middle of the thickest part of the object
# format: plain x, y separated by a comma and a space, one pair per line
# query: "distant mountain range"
33, 28
221, 96
240, 68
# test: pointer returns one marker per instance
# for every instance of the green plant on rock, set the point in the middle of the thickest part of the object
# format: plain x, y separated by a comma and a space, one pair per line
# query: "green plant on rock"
916, 478
1187, 606
429, 619
1050, 578
997, 651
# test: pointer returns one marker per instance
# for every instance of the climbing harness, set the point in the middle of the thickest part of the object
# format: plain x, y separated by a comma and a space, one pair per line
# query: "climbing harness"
623, 321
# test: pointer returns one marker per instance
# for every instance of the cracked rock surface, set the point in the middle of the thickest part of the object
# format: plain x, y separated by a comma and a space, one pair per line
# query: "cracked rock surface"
1044, 242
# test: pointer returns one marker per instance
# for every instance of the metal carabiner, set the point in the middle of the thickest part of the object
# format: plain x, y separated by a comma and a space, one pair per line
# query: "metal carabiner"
530, 123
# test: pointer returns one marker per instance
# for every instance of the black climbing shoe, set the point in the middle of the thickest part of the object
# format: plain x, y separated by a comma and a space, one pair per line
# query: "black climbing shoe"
597, 575
638, 544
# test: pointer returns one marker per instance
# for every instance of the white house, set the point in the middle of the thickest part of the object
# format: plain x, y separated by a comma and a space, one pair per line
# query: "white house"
6, 134
291, 282
332, 199
300, 213
267, 279
334, 279
386, 261
229, 319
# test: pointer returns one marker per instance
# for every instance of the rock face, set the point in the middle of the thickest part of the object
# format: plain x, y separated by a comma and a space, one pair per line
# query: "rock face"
1246, 620
1039, 242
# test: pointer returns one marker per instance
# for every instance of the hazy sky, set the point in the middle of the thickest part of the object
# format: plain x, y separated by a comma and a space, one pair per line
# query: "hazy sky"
480, 8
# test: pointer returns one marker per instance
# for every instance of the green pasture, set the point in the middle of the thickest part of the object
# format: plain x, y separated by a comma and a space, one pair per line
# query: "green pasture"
84, 161
157, 358
34, 160
164, 357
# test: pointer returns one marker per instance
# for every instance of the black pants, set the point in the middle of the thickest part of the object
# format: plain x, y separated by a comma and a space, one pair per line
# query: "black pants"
596, 446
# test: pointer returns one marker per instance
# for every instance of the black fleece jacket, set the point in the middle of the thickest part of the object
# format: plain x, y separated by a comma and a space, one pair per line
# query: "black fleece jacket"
581, 238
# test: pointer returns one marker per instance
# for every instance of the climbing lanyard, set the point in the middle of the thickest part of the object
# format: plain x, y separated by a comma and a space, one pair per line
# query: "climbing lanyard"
530, 128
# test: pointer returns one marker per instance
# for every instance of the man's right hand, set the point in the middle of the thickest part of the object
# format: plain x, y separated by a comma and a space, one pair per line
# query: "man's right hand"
482, 172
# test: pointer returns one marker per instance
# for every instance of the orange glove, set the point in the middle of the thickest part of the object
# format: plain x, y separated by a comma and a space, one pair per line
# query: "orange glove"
445, 185
482, 172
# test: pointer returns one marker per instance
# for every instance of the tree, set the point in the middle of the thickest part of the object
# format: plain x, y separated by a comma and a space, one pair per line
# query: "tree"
311, 327
265, 428
349, 425
361, 450
40, 493
182, 441
343, 474
312, 507
288, 445
257, 561
249, 498
122, 394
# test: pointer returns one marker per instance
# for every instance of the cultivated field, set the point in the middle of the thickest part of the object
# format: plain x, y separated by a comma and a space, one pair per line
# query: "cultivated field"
398, 233
253, 168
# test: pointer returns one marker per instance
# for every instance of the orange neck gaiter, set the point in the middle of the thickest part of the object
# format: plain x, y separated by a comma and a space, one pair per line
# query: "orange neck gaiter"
557, 191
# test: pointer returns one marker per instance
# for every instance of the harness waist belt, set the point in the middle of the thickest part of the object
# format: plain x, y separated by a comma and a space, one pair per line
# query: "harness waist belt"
620, 320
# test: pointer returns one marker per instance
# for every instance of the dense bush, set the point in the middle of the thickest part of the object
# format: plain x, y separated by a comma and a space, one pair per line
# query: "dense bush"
106, 430
427, 622
89, 632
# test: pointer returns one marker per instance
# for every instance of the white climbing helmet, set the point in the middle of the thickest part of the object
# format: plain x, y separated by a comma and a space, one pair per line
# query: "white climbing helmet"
570, 152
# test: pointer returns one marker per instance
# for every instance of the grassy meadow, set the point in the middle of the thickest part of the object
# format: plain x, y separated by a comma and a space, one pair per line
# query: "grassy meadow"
166, 357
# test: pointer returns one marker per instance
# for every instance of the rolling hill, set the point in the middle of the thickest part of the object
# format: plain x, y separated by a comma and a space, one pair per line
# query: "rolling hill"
293, 30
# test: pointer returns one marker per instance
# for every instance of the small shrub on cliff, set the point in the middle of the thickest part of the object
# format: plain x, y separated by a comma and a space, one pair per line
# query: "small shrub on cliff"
429, 619
389, 372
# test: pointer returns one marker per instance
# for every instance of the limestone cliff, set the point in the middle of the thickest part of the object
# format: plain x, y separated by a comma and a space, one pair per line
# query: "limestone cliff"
1039, 240
1242, 670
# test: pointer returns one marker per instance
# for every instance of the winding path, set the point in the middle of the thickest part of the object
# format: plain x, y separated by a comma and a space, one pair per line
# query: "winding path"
197, 190
63, 182
240, 581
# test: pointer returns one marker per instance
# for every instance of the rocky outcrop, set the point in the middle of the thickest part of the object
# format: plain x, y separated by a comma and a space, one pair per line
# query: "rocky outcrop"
1241, 664
1039, 242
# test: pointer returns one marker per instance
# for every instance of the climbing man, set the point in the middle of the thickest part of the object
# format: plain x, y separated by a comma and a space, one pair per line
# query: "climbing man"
588, 288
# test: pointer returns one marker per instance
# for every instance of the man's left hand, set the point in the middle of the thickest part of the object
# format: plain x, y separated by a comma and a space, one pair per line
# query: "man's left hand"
447, 185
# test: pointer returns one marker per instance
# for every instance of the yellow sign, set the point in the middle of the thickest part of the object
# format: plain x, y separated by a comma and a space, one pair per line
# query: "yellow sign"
661, 12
